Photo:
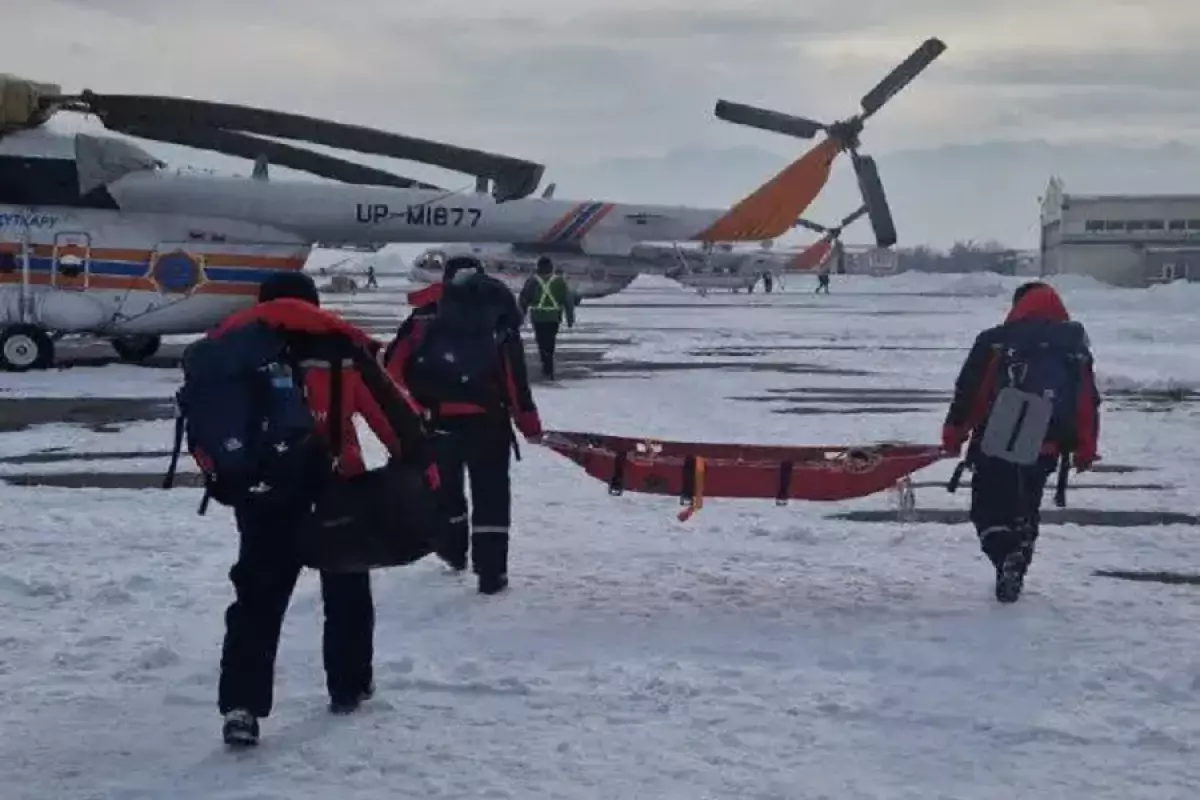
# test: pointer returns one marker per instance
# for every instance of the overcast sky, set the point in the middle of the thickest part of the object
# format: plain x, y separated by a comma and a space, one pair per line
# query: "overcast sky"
563, 81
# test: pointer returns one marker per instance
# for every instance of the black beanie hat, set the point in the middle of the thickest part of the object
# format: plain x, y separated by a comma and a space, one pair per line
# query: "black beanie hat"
295, 285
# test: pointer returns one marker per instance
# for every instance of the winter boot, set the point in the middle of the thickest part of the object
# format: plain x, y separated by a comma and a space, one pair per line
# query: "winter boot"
1010, 577
240, 728
492, 582
351, 703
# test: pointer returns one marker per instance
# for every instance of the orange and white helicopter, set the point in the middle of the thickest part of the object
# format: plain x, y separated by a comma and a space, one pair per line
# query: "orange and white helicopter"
715, 263
98, 236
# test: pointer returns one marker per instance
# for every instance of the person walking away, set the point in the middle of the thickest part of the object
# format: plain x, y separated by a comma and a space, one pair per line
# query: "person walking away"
372, 281
546, 298
268, 563
460, 353
823, 275
1038, 351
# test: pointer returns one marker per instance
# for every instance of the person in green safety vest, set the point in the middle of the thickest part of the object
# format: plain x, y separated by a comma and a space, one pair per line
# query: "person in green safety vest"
546, 299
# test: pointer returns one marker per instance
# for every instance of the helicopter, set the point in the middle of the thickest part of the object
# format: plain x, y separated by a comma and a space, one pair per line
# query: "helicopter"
99, 237
713, 262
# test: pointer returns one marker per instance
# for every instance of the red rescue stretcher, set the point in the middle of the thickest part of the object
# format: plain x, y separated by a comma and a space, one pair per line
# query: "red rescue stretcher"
693, 471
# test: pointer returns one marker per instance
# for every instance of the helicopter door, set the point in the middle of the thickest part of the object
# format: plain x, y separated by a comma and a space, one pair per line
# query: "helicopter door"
71, 264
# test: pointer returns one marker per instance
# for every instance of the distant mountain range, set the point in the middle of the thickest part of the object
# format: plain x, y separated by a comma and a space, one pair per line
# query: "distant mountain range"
980, 191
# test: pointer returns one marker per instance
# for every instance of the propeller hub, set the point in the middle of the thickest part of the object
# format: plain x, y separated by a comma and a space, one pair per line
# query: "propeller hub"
847, 132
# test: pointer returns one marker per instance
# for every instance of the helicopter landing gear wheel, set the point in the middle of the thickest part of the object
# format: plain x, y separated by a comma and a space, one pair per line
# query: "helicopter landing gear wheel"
136, 349
25, 347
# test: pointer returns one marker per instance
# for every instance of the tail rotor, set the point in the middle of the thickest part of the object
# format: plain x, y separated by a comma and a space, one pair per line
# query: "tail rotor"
846, 133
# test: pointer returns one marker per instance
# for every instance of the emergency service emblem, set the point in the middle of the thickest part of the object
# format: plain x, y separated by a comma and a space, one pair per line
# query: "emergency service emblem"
176, 272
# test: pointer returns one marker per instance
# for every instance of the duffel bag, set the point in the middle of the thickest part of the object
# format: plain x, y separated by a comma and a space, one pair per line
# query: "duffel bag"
384, 517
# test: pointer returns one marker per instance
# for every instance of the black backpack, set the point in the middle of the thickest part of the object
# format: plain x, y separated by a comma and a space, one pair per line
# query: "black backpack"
242, 410
458, 355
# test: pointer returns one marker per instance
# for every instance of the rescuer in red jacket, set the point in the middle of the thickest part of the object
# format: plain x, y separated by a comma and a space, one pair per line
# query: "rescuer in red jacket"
460, 354
268, 565
1038, 349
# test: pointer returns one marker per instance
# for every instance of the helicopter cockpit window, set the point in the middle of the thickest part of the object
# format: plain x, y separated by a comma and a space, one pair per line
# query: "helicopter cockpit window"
101, 160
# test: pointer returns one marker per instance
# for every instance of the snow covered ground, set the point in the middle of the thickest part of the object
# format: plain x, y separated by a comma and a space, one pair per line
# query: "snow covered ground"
754, 652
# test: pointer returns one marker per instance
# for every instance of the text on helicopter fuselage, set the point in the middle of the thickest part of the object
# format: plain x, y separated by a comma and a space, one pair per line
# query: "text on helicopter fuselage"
419, 214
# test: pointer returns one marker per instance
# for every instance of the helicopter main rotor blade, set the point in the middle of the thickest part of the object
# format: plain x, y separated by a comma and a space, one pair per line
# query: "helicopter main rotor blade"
514, 177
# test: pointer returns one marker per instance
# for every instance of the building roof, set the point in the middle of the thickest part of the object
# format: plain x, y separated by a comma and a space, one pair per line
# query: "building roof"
1128, 198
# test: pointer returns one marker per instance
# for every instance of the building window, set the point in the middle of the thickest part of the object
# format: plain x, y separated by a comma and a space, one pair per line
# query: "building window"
1093, 225
1177, 224
1154, 224
1114, 225
1135, 225
1193, 224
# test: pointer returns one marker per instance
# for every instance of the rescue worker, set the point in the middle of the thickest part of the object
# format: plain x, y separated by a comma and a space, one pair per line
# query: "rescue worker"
268, 565
473, 429
546, 298
1006, 497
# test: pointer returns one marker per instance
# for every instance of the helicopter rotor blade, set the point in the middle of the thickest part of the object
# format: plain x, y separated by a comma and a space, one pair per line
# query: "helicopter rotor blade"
853, 217
904, 74
801, 222
767, 120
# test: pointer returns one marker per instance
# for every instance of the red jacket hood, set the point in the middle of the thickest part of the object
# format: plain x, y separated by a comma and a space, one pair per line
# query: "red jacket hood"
423, 297
294, 315
1040, 302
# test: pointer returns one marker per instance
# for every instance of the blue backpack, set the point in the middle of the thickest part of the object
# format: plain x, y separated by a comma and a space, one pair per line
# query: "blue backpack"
458, 356
243, 411
1037, 384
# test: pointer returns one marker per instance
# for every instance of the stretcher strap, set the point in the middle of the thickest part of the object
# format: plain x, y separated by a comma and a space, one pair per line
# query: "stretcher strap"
616, 484
693, 487
784, 491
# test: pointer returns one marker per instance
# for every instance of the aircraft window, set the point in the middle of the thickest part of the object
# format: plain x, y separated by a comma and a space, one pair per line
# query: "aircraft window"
29, 181
1093, 225
1177, 224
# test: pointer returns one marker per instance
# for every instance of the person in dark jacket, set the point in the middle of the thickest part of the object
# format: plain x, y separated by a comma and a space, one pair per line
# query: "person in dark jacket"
546, 298
1006, 497
473, 436
268, 564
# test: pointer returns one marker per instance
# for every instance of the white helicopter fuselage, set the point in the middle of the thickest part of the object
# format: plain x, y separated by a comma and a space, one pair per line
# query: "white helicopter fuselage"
71, 270
97, 237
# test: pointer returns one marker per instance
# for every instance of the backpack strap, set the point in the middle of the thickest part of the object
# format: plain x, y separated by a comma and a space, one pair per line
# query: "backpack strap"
335, 408
1064, 473
173, 467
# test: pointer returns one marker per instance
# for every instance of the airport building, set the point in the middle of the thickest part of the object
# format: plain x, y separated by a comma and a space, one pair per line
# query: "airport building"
1124, 240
